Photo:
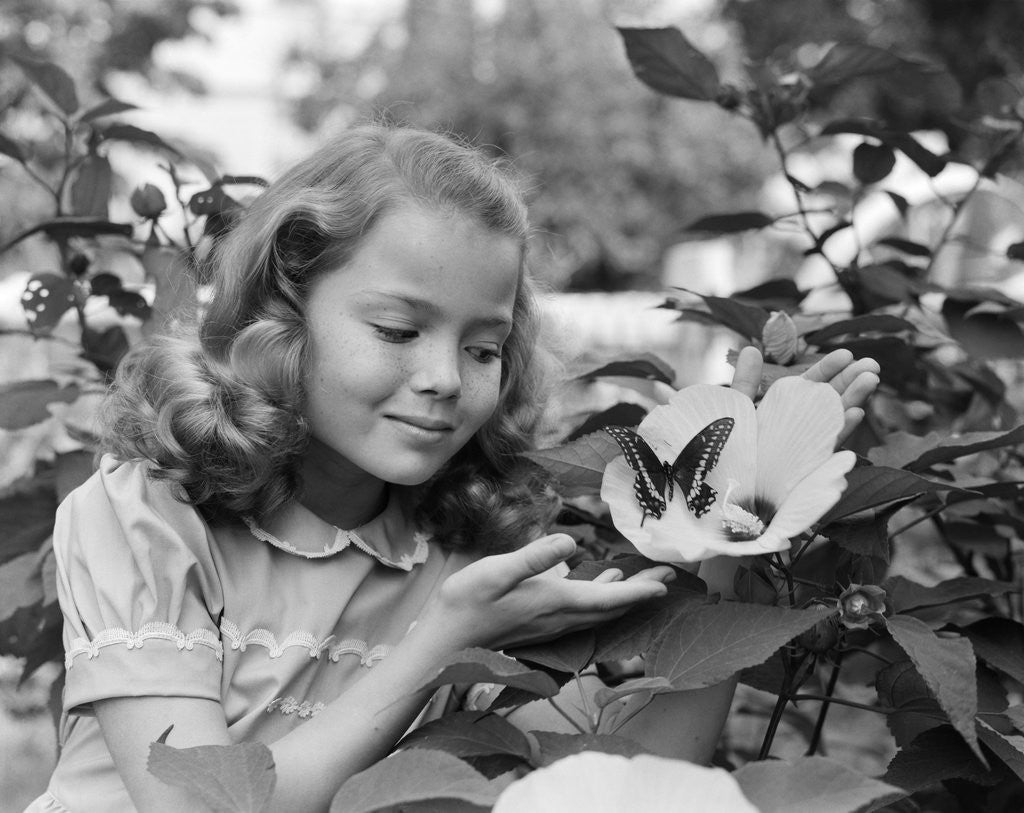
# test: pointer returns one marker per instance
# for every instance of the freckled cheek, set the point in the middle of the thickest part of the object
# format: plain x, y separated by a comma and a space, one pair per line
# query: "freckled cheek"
481, 394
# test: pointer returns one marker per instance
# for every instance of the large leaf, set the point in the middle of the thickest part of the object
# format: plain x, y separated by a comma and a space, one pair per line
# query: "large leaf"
1000, 643
485, 666
567, 653
947, 666
555, 746
811, 785
663, 59
621, 414
23, 403
934, 756
647, 366
747, 320
470, 734
90, 190
952, 448
858, 326
845, 61
872, 486
108, 107
52, 80
866, 534
228, 778
705, 647
12, 149
411, 776
1008, 747
138, 136
985, 335
20, 584
26, 515
732, 223
903, 595
578, 466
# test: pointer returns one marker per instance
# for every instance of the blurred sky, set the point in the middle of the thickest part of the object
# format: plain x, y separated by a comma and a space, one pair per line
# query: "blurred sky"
244, 119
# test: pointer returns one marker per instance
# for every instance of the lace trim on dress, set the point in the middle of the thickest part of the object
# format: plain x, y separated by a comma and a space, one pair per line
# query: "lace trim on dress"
289, 705
342, 539
368, 655
135, 640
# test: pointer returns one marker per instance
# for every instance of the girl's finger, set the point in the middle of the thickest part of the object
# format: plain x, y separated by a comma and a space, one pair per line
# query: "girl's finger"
532, 559
749, 367
860, 389
851, 420
612, 574
827, 368
663, 574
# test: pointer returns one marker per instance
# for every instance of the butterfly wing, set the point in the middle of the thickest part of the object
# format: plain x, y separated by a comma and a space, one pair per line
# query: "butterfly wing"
695, 461
651, 477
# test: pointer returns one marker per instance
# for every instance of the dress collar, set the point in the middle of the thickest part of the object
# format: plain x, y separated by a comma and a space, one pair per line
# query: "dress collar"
389, 537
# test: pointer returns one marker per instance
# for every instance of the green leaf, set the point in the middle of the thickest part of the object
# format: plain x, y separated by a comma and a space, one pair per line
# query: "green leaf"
46, 299
64, 228
811, 785
947, 666
953, 447
730, 223
138, 136
227, 778
903, 595
1008, 747
578, 466
415, 775
567, 653
779, 294
872, 162
12, 149
485, 666
647, 366
926, 160
1015, 714
621, 414
747, 320
845, 61
633, 632
554, 746
872, 486
705, 647
23, 403
90, 190
470, 734
52, 80
983, 335
859, 326
934, 756
866, 534
648, 686
1000, 643
108, 107
663, 59
906, 246
20, 583
26, 515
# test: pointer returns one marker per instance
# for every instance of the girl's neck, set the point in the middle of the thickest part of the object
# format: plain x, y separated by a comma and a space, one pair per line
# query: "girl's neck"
338, 492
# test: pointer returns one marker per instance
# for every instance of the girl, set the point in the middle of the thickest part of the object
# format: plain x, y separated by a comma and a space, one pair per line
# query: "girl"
288, 533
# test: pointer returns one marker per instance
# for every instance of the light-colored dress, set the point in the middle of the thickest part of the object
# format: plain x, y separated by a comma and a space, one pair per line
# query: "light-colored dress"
158, 603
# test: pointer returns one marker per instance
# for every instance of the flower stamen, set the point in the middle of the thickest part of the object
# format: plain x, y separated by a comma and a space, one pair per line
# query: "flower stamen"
738, 521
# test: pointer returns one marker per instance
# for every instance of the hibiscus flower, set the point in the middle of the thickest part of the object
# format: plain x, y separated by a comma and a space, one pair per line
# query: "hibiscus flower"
777, 475
593, 782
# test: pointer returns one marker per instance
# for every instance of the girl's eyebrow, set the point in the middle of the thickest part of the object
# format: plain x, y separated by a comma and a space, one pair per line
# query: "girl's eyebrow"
425, 306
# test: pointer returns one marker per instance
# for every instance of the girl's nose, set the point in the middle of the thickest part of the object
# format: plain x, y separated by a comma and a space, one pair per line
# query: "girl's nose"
438, 375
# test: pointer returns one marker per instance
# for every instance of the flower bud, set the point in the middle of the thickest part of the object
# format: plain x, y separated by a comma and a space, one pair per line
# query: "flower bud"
148, 201
860, 604
779, 338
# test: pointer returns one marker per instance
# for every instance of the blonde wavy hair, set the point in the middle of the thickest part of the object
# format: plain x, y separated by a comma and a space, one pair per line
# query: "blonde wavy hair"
218, 407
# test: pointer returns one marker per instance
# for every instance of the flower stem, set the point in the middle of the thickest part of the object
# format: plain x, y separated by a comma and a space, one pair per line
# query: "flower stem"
562, 711
819, 724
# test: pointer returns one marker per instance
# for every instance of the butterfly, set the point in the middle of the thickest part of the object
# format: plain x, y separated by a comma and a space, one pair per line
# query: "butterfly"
653, 476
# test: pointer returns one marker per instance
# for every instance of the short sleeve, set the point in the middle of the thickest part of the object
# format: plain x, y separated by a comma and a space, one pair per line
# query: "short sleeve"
138, 589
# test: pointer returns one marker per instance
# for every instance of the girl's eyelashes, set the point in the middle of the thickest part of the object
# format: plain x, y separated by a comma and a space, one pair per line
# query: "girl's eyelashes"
485, 355
395, 334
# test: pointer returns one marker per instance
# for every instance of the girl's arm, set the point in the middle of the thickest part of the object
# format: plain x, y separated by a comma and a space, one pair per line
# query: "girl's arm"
495, 602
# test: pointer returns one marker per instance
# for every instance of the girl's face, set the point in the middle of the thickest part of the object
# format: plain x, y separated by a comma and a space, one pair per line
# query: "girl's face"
405, 343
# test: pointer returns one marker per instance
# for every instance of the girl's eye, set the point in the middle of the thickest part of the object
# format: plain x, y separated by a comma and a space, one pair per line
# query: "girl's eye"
485, 355
394, 334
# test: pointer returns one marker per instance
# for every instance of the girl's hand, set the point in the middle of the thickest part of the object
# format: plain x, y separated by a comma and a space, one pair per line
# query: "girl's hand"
511, 598
854, 379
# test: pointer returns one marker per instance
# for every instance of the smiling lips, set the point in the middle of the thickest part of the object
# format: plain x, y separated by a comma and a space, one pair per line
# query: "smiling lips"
427, 428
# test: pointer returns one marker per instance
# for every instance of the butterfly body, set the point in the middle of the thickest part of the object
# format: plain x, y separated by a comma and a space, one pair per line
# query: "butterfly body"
656, 479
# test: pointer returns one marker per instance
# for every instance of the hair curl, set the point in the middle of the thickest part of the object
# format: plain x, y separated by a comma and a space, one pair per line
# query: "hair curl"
218, 408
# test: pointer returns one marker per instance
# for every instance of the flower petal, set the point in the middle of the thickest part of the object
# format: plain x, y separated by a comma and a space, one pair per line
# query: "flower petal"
678, 536
812, 496
670, 427
798, 424
592, 782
